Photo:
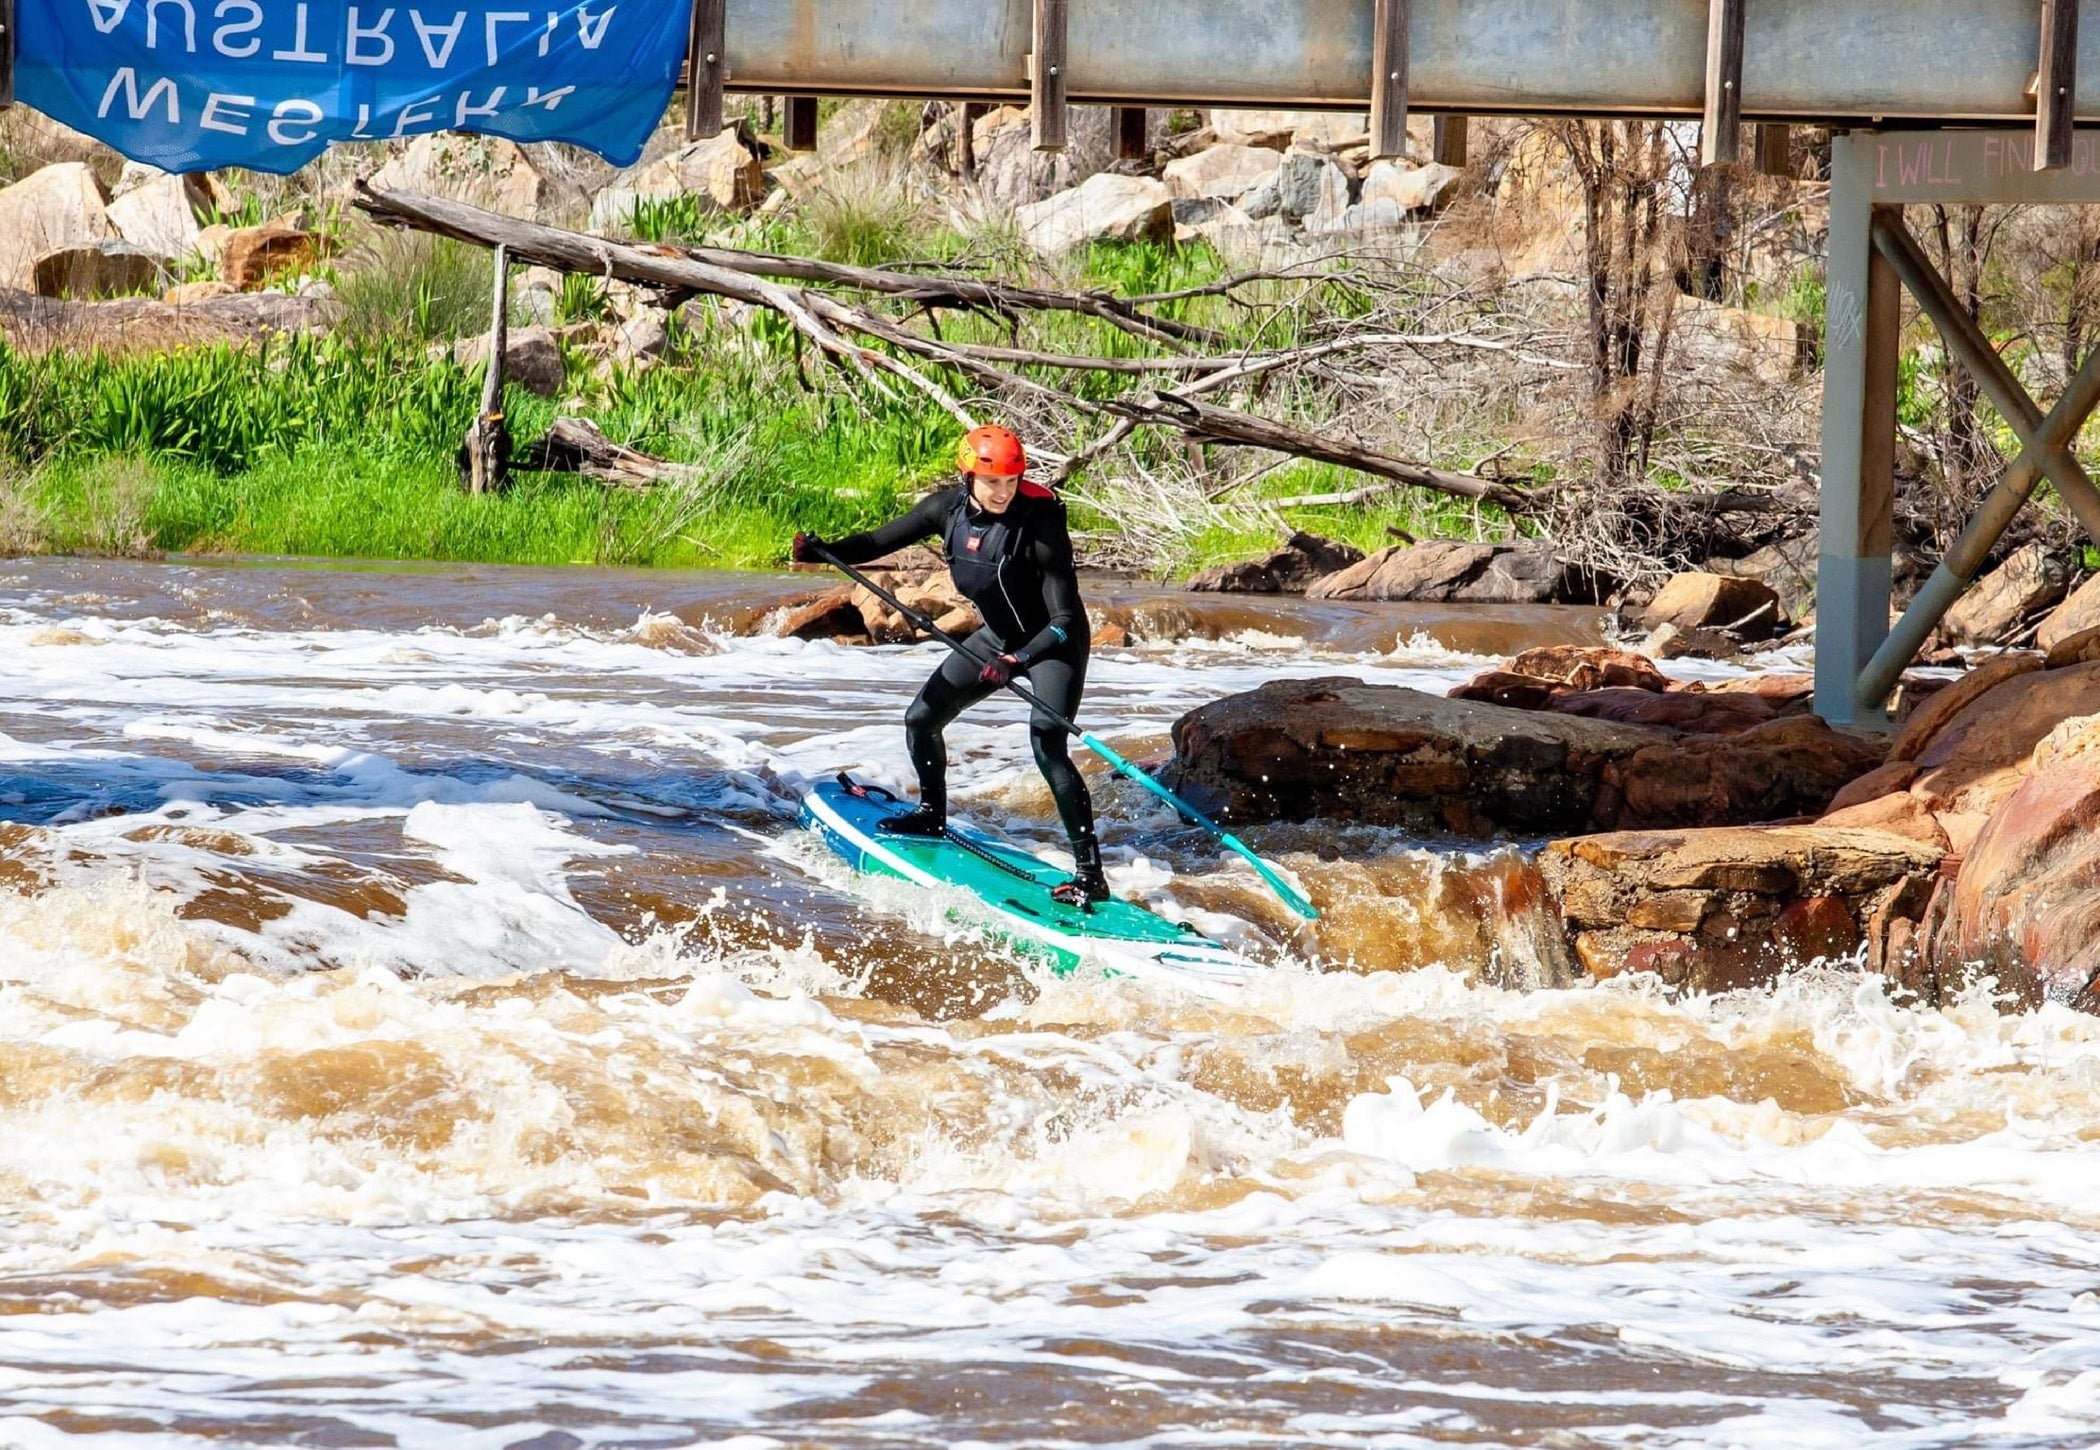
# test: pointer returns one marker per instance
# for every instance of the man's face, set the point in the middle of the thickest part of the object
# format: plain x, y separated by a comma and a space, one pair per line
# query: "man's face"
992, 492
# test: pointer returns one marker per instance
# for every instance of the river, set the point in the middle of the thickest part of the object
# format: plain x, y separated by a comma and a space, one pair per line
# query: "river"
422, 1024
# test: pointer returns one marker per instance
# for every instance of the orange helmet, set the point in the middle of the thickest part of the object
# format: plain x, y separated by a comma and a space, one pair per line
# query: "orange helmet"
992, 450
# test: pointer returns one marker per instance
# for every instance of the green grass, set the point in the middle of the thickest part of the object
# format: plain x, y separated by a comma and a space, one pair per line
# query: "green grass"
343, 446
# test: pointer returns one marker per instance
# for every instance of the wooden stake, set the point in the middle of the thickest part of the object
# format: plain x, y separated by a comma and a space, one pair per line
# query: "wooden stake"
2056, 86
800, 133
1049, 112
1130, 133
1449, 144
705, 70
1389, 24
966, 159
485, 457
1775, 150
1720, 134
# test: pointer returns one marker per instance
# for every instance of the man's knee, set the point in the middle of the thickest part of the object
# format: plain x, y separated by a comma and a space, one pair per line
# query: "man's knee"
921, 718
1048, 742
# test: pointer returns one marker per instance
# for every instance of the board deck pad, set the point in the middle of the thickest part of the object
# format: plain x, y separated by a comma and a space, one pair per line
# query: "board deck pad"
1013, 889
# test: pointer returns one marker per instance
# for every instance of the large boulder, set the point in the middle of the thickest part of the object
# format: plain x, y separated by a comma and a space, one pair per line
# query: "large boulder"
1223, 172
487, 171
1342, 749
1409, 188
1777, 769
1745, 607
1011, 173
2025, 906
58, 206
1722, 339
1311, 188
164, 214
1979, 757
252, 256
532, 359
2032, 579
1534, 679
1301, 562
1331, 130
725, 171
1447, 572
1104, 208
1787, 568
1712, 910
92, 270
2074, 616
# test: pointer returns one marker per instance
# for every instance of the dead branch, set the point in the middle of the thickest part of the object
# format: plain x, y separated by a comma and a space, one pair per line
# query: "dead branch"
577, 445
1207, 424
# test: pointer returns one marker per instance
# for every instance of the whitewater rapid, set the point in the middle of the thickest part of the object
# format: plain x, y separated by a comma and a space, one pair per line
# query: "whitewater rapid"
422, 1024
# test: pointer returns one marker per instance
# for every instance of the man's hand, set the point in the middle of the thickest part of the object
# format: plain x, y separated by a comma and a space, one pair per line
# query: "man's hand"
804, 549
999, 671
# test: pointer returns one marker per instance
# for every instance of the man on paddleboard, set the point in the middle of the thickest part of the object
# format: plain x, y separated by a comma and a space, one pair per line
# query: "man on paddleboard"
1010, 554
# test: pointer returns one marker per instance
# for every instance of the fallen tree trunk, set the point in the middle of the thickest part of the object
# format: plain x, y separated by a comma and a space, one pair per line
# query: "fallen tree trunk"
124, 325
1207, 424
577, 445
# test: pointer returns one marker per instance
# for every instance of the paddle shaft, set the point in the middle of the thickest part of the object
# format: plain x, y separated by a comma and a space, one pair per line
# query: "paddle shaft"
1291, 896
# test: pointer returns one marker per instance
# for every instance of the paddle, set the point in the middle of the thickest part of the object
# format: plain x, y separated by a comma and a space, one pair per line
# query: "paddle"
1289, 894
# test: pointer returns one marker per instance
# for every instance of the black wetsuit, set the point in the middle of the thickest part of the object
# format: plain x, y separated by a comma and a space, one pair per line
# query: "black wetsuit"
1016, 567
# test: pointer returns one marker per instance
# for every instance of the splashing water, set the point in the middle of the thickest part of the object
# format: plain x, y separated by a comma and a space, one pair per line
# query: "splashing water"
420, 1024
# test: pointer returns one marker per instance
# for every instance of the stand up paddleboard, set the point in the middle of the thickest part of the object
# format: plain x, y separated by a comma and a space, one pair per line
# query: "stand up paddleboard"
1011, 890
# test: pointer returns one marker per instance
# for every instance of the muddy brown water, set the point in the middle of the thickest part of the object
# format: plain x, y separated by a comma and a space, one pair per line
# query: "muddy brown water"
421, 1022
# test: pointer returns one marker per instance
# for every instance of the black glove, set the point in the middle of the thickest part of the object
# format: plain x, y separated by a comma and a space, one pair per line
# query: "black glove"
804, 549
999, 671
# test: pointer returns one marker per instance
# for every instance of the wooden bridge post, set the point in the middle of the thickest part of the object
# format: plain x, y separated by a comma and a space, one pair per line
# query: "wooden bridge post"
1049, 112
1448, 143
1389, 25
705, 69
7, 53
1721, 130
1130, 133
2056, 86
800, 131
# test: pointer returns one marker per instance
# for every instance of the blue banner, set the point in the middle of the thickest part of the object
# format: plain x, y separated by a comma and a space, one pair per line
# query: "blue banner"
197, 85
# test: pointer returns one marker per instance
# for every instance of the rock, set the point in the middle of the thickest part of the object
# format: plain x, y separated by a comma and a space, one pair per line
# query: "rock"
1668, 642
2075, 615
1011, 173
1104, 208
531, 359
725, 172
1223, 172
136, 326
1744, 607
58, 206
96, 269
830, 615
1409, 188
1886, 779
2077, 649
1341, 749
644, 337
1533, 679
1330, 130
1979, 757
1730, 339
1773, 770
254, 255
1898, 812
1447, 572
189, 294
486, 171
852, 134
2032, 579
1263, 202
1111, 636
163, 214
1787, 568
1688, 711
1311, 188
2026, 904
1714, 910
1944, 704
1304, 559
